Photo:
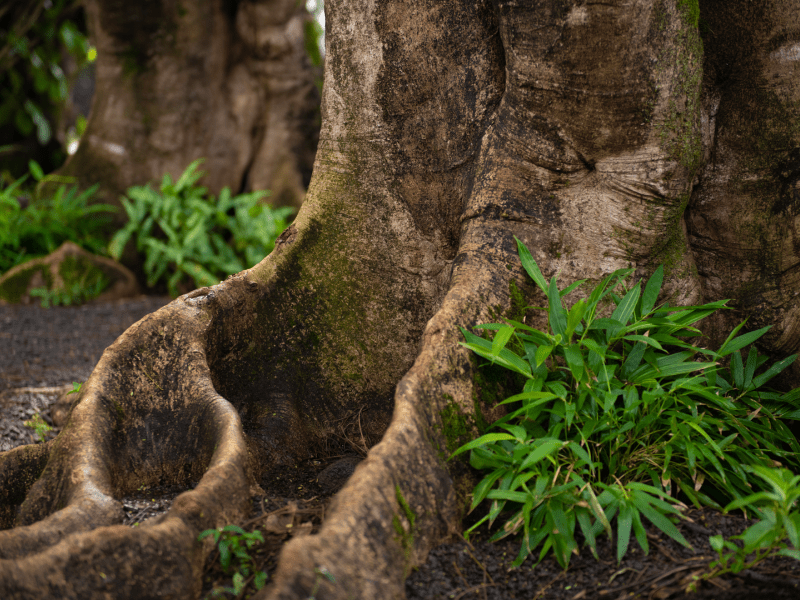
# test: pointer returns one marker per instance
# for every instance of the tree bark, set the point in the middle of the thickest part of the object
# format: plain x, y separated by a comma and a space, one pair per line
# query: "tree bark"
743, 216
583, 129
228, 81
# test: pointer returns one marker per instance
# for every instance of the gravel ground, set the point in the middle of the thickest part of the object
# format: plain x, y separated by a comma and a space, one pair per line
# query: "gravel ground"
45, 347
45, 350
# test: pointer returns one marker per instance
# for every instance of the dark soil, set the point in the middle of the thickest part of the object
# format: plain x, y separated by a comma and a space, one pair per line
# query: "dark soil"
483, 570
57, 346
294, 505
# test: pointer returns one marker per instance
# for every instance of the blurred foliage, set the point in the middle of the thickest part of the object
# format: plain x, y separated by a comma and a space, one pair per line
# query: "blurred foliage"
315, 32
188, 235
35, 225
38, 38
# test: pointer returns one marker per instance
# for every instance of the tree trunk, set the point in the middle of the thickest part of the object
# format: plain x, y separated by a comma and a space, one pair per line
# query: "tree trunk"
584, 129
743, 218
175, 81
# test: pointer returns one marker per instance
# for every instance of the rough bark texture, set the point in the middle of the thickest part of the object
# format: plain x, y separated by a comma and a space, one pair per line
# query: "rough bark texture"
743, 216
448, 128
175, 81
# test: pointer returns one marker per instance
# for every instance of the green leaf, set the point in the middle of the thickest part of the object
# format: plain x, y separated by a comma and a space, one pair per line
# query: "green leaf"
624, 522
642, 503
530, 266
582, 455
494, 457
774, 370
574, 359
603, 289
733, 344
538, 396
225, 554
755, 535
507, 495
791, 528
201, 276
501, 339
558, 316
212, 532
545, 448
518, 431
750, 368
639, 532
790, 552
189, 177
737, 369
712, 458
575, 316
506, 358
611, 326
36, 171
542, 352
587, 530
645, 339
571, 287
117, 243
652, 289
260, 580
43, 131
558, 389
707, 437
597, 509
482, 441
634, 359
235, 529
625, 309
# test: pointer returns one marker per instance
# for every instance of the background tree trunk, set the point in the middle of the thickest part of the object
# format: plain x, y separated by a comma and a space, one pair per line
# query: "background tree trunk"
229, 81
448, 129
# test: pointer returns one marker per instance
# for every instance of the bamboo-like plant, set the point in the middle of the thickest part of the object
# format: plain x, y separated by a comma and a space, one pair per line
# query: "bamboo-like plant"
622, 416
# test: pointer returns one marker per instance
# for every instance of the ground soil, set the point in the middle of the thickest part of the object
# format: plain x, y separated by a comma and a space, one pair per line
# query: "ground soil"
47, 348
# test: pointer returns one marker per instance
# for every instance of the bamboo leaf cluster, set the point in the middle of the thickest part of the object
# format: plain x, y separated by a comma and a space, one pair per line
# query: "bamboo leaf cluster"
622, 418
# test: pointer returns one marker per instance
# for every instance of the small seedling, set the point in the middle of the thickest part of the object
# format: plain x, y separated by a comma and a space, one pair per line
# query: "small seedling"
320, 573
234, 544
76, 388
39, 426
